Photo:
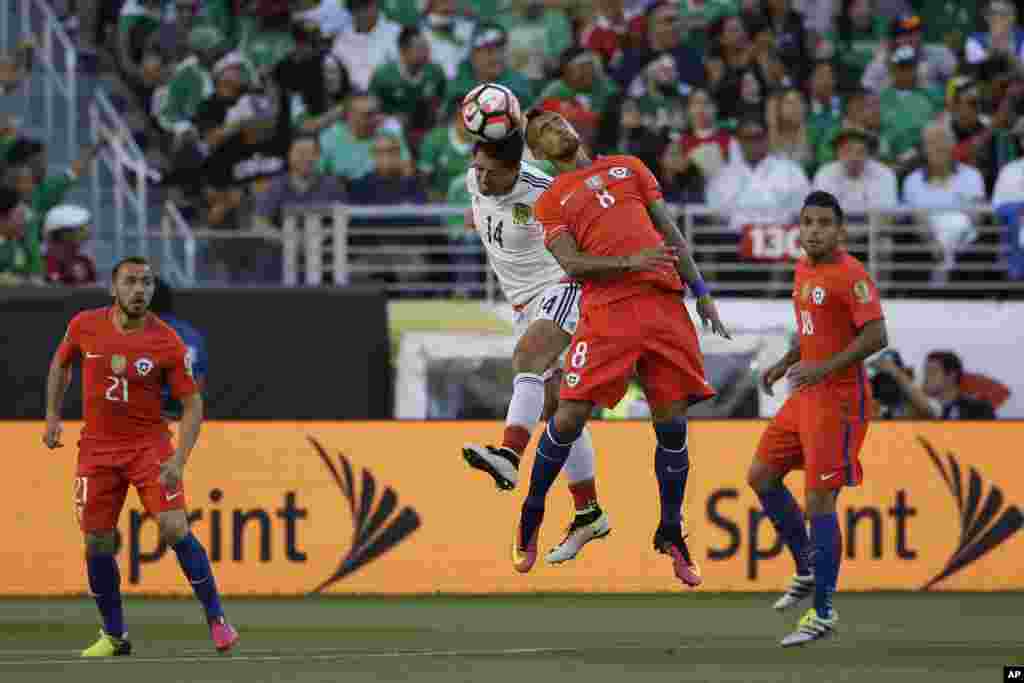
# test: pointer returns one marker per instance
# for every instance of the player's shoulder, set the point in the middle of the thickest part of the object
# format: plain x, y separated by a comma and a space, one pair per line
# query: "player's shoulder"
850, 267
627, 161
89, 318
164, 331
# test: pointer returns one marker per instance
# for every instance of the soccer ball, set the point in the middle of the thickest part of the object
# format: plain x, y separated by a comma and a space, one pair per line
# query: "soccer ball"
491, 112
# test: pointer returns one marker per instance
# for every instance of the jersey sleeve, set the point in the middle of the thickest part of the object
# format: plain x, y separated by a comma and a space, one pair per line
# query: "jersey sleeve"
548, 212
70, 350
650, 188
180, 375
861, 297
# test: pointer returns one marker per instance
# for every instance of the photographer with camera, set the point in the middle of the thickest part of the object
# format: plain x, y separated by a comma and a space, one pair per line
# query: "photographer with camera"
939, 397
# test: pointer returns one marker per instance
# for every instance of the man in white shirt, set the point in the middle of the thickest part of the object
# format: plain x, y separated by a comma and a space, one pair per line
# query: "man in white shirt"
1010, 183
372, 41
757, 187
858, 181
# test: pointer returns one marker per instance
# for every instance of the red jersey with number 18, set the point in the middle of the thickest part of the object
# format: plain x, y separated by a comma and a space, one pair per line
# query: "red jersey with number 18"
123, 374
604, 208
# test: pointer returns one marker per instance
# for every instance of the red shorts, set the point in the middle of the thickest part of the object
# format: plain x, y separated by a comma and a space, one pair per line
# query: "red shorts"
103, 476
820, 429
649, 336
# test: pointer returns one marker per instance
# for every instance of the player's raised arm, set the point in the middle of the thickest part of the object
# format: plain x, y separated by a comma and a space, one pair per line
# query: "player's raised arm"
57, 381
687, 267
582, 266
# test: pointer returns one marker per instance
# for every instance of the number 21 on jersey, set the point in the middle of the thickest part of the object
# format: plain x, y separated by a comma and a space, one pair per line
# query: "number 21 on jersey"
118, 389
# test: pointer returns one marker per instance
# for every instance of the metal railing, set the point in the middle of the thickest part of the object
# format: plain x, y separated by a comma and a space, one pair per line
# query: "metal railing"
175, 230
130, 172
339, 244
58, 56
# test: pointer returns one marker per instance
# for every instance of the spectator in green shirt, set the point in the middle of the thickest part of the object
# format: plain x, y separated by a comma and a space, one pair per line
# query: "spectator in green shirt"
346, 148
906, 109
661, 97
863, 112
825, 110
411, 87
446, 153
488, 63
19, 254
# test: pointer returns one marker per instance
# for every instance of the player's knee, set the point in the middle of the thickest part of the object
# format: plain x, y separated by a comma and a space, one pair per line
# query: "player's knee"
551, 388
760, 477
527, 358
173, 528
672, 434
570, 418
672, 411
101, 543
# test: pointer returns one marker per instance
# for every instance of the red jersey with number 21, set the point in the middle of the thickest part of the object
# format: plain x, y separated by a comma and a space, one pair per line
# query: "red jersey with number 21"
123, 374
604, 208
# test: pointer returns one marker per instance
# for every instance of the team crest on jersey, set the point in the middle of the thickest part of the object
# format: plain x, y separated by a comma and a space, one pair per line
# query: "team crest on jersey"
619, 172
594, 182
143, 366
118, 364
805, 293
861, 291
520, 214
819, 295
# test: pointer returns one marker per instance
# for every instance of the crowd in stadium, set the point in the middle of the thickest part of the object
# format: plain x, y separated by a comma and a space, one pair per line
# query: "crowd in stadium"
739, 105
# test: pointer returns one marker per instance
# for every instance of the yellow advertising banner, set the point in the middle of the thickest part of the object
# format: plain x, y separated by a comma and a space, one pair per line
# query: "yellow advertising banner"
390, 507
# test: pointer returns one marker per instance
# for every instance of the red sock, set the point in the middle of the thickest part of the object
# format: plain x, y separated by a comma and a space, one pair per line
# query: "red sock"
584, 493
517, 438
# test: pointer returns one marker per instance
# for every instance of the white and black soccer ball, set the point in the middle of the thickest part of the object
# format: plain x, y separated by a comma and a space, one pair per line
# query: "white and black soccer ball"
491, 112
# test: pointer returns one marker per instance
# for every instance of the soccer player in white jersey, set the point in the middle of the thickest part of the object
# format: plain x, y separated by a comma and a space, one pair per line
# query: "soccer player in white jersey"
546, 303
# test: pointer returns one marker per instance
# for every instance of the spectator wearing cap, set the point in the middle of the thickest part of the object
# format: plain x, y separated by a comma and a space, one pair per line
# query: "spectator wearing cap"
664, 37
447, 35
856, 179
613, 29
757, 187
988, 146
346, 148
446, 152
940, 187
906, 108
1004, 37
371, 42
935, 64
411, 88
860, 33
67, 229
20, 260
583, 93
488, 62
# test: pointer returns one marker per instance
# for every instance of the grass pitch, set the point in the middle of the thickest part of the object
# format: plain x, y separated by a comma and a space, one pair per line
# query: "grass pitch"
684, 637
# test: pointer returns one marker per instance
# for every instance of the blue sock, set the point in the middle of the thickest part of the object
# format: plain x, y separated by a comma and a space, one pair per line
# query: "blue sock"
672, 467
785, 514
827, 548
552, 452
196, 566
105, 585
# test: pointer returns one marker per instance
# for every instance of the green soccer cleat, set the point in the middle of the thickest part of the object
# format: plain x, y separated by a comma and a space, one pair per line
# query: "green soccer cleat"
811, 628
108, 646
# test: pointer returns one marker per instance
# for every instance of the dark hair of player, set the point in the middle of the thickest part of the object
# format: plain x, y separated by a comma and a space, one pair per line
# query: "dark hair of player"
508, 151
163, 298
825, 200
136, 260
950, 363
408, 34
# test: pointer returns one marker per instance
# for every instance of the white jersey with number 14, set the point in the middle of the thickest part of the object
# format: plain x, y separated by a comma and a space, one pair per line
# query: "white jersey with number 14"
513, 237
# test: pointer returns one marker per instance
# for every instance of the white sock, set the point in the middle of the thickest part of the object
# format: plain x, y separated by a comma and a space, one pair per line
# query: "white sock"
527, 404
580, 465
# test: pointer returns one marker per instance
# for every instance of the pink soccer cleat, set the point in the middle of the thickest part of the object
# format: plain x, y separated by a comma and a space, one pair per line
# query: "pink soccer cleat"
223, 634
670, 541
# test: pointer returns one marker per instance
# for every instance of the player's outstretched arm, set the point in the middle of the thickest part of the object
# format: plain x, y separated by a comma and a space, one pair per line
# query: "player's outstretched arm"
57, 381
582, 266
687, 267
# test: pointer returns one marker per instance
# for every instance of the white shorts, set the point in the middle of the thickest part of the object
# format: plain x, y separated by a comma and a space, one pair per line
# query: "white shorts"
560, 304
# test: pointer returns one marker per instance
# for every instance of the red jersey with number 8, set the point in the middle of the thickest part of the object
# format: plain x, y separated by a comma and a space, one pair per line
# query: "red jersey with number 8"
604, 207
123, 374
